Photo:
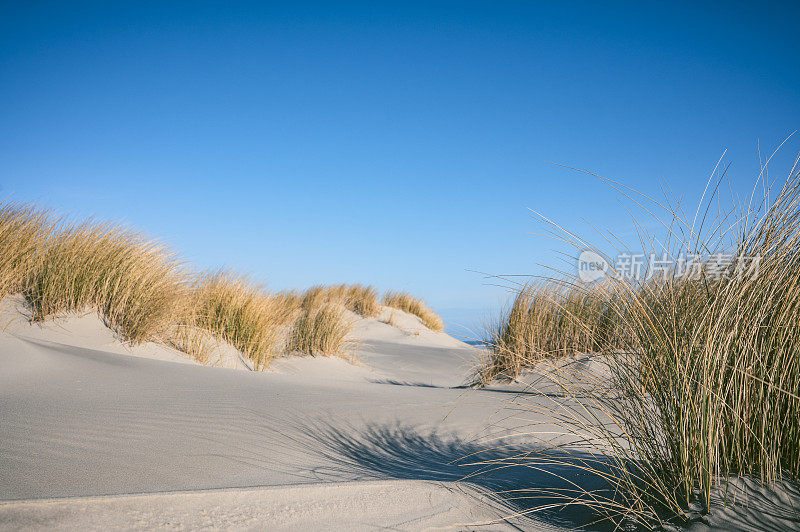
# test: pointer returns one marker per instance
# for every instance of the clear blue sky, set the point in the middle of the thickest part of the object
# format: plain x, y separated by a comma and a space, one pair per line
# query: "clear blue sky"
397, 144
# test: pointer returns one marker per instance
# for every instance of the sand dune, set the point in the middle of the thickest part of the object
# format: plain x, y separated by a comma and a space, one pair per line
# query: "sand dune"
90, 422
97, 435
414, 504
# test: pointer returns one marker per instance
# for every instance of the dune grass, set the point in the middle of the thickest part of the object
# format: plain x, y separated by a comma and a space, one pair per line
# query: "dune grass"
391, 320
413, 305
265, 325
145, 293
705, 369
551, 320
243, 314
137, 285
23, 233
195, 341
363, 300
320, 330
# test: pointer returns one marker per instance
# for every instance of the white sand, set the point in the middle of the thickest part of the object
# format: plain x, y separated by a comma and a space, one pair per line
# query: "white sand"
97, 435
86, 423
414, 504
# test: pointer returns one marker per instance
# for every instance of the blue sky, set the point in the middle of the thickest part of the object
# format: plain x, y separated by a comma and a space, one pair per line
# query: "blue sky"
397, 144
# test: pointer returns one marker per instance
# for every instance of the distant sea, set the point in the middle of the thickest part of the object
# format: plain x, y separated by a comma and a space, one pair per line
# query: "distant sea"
473, 342
466, 324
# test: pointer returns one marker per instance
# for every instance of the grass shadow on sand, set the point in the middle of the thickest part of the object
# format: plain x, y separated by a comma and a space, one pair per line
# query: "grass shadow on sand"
519, 480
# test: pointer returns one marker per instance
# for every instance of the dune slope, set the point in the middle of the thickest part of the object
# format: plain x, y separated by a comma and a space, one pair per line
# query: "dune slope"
95, 437
98, 435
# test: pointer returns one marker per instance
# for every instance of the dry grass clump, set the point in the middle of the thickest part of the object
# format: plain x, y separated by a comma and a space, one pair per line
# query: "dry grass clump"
706, 372
245, 315
553, 320
314, 297
408, 303
320, 330
390, 320
363, 300
144, 293
718, 364
196, 342
136, 284
23, 232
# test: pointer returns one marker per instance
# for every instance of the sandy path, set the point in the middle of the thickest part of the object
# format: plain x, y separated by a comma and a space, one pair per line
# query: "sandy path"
77, 422
83, 430
352, 506
94, 438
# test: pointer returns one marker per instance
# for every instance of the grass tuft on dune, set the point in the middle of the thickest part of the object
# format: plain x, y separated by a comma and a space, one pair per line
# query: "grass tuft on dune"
24, 231
320, 330
363, 300
414, 305
549, 321
705, 370
137, 285
552, 320
196, 342
243, 314
145, 293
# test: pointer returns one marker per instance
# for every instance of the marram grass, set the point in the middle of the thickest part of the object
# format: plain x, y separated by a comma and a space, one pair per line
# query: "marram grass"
195, 341
546, 321
320, 330
413, 305
363, 300
136, 285
243, 314
24, 231
705, 372
145, 293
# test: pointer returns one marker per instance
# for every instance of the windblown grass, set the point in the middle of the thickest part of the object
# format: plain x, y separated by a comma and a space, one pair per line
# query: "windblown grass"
136, 284
23, 233
195, 341
144, 293
363, 300
243, 314
705, 375
413, 305
391, 320
263, 325
547, 321
320, 330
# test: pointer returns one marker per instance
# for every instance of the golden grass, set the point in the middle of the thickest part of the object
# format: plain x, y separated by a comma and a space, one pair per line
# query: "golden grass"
390, 320
553, 320
245, 315
136, 284
144, 293
413, 305
194, 341
363, 300
705, 372
320, 330
23, 233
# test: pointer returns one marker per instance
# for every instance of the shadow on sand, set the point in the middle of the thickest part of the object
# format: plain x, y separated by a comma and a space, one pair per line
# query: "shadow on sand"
526, 483
521, 481
527, 390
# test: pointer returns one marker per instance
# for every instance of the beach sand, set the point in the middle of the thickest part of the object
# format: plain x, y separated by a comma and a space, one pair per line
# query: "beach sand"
98, 435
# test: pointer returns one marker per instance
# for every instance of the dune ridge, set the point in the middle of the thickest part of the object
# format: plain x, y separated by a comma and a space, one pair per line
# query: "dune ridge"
145, 293
701, 375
